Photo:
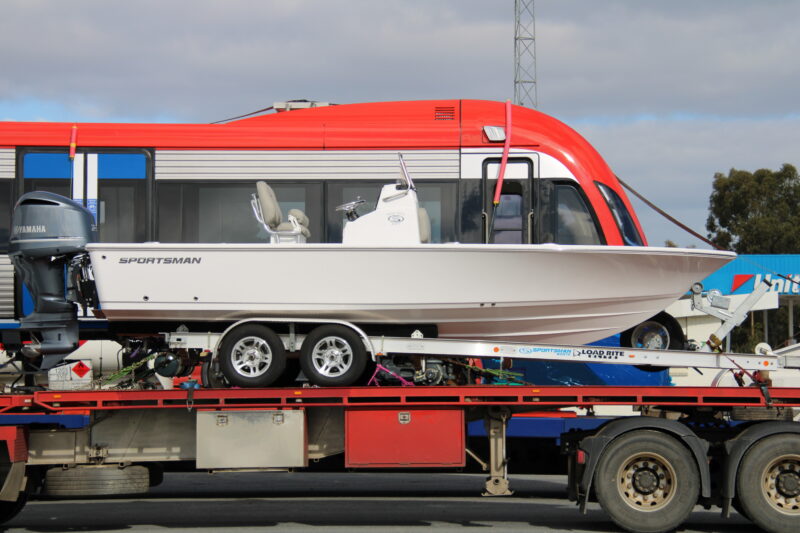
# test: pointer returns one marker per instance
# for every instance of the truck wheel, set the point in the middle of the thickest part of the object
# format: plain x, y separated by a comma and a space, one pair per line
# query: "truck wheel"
647, 482
333, 356
768, 483
97, 480
252, 356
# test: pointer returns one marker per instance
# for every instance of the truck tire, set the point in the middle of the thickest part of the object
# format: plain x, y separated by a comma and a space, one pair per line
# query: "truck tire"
768, 483
96, 480
252, 356
647, 482
333, 356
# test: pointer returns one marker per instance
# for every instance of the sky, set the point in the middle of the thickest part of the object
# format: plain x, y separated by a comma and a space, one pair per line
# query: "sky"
669, 92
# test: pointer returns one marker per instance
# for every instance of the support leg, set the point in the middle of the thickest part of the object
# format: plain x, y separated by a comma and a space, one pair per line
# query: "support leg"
497, 483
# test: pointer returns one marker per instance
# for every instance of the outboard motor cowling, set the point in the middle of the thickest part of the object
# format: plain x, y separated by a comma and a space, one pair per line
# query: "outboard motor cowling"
48, 233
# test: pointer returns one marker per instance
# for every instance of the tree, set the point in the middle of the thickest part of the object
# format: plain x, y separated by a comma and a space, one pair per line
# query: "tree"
756, 213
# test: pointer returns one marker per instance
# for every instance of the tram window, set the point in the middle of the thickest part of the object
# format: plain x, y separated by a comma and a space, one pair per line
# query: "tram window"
574, 224
625, 223
47, 165
439, 200
47, 171
122, 211
471, 203
122, 195
57, 186
221, 212
508, 220
6, 203
338, 193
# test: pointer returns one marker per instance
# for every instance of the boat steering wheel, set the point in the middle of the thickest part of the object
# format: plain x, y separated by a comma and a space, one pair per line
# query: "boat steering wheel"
350, 208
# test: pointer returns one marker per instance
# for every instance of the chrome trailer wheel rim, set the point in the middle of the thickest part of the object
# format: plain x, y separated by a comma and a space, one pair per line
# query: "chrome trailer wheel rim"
332, 356
251, 357
646, 482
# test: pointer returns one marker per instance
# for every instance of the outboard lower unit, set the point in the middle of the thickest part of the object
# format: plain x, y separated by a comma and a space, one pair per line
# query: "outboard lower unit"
47, 246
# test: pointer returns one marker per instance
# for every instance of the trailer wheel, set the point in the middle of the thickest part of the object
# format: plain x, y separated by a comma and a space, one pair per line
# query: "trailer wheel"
647, 482
768, 483
333, 356
97, 480
252, 356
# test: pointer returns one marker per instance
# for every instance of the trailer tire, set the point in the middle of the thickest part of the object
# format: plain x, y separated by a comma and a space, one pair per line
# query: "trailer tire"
96, 480
768, 483
252, 356
333, 356
647, 482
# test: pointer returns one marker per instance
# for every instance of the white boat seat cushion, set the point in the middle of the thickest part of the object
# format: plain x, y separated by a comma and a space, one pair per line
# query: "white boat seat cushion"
298, 215
424, 225
270, 209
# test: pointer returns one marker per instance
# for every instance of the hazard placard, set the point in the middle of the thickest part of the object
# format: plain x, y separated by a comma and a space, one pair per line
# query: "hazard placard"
80, 369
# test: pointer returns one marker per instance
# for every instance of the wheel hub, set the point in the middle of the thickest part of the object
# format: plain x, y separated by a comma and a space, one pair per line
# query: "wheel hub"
645, 481
788, 484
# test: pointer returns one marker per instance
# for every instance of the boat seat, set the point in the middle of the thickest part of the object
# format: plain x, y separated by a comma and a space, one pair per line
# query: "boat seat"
268, 212
424, 225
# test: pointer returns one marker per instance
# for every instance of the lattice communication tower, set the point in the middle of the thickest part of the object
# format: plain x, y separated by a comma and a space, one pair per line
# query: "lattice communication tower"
524, 54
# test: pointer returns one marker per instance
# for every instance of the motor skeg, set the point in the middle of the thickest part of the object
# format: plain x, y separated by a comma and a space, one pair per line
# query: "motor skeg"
49, 232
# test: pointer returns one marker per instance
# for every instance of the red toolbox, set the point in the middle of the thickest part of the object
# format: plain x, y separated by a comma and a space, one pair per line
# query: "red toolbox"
381, 438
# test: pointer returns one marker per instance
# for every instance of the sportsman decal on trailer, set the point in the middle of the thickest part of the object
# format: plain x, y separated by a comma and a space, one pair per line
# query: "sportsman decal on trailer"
160, 260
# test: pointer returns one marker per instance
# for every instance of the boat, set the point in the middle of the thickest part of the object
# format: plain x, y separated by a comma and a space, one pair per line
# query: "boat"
530, 293
385, 272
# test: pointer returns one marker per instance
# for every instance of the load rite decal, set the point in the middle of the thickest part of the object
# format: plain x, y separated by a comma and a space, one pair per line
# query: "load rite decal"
159, 260
598, 353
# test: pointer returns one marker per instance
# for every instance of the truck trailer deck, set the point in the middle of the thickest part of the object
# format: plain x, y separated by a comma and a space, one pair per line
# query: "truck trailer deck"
726, 447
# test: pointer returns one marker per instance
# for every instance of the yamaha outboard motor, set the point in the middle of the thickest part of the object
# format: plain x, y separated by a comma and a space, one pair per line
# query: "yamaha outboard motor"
47, 246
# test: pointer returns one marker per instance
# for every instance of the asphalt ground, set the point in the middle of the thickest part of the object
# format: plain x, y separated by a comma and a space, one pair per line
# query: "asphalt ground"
337, 502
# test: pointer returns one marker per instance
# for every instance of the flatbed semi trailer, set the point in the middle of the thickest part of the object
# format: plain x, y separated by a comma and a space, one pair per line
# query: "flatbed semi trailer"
726, 447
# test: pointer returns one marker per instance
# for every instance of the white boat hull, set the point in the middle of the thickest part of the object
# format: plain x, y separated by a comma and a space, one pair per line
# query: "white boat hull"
531, 293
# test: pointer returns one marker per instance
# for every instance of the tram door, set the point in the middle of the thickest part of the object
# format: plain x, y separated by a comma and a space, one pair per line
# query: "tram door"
112, 184
512, 220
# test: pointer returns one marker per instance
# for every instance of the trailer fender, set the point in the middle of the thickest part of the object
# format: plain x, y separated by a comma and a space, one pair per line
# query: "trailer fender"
737, 447
595, 445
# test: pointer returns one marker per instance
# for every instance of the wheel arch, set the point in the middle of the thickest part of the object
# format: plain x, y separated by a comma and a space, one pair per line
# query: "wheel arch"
737, 447
595, 445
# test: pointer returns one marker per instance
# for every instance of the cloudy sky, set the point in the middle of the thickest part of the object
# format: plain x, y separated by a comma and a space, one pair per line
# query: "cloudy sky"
669, 92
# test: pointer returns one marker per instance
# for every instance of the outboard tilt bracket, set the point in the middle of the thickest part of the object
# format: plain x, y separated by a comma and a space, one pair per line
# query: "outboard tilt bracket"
48, 248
